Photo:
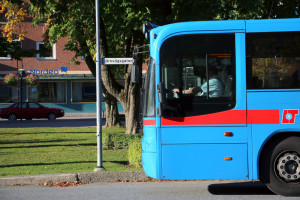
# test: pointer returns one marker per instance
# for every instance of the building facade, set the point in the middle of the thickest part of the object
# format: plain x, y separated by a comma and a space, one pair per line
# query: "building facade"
61, 84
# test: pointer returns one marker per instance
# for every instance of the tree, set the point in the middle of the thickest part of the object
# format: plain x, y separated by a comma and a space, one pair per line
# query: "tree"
15, 13
121, 32
76, 20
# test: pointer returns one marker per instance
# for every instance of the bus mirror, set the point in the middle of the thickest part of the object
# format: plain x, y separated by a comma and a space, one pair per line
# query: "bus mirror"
146, 31
145, 28
135, 74
147, 35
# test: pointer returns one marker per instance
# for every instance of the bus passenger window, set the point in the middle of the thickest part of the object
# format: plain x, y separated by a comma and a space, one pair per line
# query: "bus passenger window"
273, 60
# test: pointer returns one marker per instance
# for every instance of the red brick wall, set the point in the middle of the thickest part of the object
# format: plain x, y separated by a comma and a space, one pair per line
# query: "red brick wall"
63, 57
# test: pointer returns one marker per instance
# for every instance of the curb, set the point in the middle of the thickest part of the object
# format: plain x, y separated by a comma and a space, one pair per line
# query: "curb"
89, 177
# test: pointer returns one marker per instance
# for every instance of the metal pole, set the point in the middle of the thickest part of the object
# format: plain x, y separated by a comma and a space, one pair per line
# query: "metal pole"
98, 88
22, 71
21, 113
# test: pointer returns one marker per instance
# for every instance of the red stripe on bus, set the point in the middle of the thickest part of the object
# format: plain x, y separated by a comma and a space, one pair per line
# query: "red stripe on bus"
149, 122
263, 117
227, 117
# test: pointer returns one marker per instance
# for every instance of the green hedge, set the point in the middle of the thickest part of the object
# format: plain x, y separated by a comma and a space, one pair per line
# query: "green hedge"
117, 140
135, 152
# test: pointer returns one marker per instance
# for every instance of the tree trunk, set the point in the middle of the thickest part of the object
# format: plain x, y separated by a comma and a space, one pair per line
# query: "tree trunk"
130, 101
112, 113
128, 94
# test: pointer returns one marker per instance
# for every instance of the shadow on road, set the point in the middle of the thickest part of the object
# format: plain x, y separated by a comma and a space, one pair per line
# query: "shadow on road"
85, 122
247, 188
61, 122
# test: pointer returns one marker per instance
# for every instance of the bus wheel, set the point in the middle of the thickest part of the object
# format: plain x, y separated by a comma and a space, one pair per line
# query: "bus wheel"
280, 167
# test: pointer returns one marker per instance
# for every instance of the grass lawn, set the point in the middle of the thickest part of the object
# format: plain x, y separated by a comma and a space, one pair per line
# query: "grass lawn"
28, 151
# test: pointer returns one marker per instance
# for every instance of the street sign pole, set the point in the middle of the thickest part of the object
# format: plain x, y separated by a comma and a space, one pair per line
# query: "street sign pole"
99, 90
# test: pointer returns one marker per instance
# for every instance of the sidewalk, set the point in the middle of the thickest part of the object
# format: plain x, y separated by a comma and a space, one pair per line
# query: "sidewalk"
81, 115
89, 177
90, 115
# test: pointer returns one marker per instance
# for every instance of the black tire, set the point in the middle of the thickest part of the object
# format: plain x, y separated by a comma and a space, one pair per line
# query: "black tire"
12, 117
51, 116
280, 166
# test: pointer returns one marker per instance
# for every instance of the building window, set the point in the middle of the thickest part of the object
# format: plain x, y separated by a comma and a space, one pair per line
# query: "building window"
46, 53
8, 94
16, 46
3, 51
83, 92
273, 60
48, 92
3, 19
4, 56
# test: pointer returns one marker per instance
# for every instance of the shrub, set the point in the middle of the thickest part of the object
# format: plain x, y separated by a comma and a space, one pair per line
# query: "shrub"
135, 152
106, 141
117, 140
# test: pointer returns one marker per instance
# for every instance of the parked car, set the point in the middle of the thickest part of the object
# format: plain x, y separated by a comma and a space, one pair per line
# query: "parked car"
30, 110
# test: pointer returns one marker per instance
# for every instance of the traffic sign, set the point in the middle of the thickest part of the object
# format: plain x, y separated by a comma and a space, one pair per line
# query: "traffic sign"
117, 61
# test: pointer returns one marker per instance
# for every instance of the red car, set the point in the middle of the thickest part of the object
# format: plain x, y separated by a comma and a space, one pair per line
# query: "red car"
30, 110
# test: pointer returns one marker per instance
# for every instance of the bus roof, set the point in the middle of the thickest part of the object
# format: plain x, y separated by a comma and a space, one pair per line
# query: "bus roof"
160, 34
261, 25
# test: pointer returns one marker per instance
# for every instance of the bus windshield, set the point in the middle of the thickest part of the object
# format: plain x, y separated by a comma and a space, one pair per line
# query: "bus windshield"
188, 62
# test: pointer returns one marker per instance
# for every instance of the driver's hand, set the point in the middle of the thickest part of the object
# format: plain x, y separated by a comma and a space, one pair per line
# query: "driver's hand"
176, 90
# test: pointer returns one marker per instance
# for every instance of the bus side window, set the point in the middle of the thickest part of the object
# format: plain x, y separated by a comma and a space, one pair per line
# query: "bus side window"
273, 60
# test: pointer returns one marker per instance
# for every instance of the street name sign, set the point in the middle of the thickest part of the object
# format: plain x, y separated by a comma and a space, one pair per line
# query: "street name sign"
117, 61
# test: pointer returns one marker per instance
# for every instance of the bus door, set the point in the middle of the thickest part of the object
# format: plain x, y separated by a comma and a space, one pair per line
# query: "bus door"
203, 107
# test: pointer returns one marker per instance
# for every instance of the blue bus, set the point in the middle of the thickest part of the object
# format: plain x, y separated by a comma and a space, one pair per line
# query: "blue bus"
221, 100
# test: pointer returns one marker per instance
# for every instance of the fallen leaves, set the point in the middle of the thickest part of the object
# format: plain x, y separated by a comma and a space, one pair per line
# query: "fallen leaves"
64, 184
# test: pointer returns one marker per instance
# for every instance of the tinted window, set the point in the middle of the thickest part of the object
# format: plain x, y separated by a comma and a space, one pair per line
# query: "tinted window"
273, 60
33, 105
15, 105
198, 72
18, 105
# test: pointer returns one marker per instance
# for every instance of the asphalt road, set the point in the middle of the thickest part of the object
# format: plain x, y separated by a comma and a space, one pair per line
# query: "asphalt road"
186, 190
60, 122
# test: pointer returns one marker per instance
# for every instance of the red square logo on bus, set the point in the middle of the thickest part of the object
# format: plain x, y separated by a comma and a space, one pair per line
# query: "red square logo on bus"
289, 116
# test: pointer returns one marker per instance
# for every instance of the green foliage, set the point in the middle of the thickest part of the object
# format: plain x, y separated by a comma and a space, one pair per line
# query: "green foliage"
135, 152
117, 140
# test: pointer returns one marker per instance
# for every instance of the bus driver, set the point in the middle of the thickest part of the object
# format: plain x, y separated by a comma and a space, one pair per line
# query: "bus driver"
216, 88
